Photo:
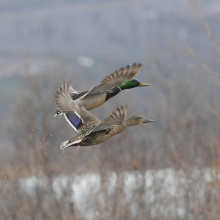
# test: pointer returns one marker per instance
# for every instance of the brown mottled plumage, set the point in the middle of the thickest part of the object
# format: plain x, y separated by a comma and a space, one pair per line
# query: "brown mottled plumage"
83, 132
91, 130
98, 136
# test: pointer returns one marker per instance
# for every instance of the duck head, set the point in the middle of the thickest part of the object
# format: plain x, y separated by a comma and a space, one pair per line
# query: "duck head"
132, 84
137, 120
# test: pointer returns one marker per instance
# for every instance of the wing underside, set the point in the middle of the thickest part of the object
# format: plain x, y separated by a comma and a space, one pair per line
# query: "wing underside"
75, 115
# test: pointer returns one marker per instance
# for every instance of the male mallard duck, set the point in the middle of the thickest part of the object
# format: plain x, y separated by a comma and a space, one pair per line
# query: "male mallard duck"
109, 87
91, 130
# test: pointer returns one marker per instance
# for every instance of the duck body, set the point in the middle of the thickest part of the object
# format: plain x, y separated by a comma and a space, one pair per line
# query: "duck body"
108, 88
115, 124
91, 130
92, 101
97, 137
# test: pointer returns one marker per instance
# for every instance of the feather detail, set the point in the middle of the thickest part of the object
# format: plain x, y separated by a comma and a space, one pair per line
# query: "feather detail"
115, 79
80, 95
85, 130
70, 123
78, 117
127, 72
120, 114
74, 120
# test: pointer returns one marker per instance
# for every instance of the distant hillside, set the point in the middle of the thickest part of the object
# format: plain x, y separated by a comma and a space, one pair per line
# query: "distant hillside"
125, 30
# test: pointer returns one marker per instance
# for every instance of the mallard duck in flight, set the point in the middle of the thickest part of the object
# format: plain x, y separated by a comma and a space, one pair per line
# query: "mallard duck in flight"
91, 130
109, 87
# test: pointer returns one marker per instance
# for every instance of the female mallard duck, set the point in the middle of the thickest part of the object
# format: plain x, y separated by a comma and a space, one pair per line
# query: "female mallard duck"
91, 130
109, 87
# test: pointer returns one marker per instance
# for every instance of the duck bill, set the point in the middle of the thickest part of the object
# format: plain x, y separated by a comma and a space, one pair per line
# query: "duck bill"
148, 120
143, 84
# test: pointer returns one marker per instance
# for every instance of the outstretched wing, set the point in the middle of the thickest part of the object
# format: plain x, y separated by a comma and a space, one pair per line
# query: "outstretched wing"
73, 93
117, 78
123, 75
78, 117
117, 116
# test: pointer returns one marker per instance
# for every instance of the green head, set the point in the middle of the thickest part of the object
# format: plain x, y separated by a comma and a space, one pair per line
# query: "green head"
132, 84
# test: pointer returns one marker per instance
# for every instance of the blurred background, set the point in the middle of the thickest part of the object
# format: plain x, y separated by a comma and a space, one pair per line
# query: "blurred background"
168, 169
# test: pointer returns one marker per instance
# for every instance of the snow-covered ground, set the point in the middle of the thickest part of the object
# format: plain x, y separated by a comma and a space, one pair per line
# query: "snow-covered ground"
164, 192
